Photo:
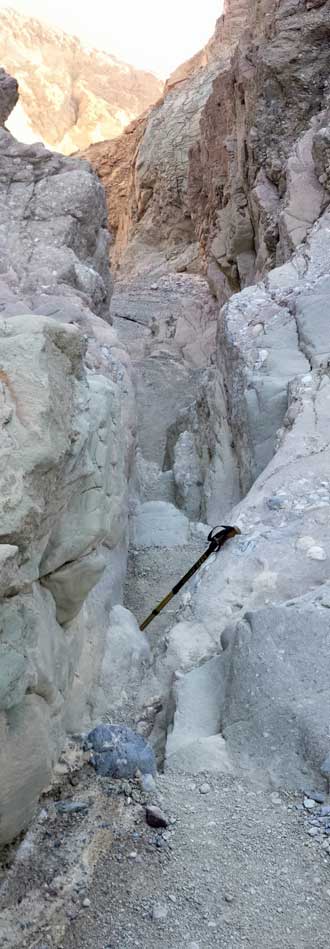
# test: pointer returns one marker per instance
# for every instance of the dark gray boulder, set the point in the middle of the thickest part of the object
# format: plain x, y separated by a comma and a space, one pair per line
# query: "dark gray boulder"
119, 752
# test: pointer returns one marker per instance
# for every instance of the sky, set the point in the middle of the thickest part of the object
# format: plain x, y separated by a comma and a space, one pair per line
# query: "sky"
156, 35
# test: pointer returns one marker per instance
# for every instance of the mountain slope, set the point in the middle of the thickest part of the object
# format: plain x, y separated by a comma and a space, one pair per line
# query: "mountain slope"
70, 96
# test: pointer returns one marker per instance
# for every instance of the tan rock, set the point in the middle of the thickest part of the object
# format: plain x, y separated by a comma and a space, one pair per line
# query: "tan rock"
70, 96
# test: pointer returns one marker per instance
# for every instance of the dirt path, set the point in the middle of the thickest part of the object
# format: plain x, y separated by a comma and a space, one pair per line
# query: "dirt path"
236, 867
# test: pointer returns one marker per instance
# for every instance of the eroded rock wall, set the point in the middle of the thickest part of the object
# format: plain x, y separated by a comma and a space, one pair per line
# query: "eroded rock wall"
156, 231
66, 446
265, 598
252, 185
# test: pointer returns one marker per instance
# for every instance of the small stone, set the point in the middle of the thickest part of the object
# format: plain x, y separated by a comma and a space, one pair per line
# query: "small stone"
205, 788
275, 798
71, 807
148, 783
229, 898
86, 902
313, 831
172, 898
275, 504
159, 912
133, 855
155, 817
325, 811
159, 842
316, 553
319, 797
309, 804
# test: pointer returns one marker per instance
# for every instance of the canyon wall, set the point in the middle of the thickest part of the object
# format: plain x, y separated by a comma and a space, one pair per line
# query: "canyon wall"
67, 438
230, 186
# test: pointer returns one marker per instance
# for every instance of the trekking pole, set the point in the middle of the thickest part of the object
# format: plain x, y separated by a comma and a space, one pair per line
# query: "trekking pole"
217, 538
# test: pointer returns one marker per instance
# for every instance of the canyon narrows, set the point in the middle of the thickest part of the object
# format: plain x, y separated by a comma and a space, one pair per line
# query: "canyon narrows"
184, 385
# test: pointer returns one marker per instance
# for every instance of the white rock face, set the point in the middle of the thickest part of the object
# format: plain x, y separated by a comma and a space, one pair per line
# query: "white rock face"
62, 495
266, 595
126, 658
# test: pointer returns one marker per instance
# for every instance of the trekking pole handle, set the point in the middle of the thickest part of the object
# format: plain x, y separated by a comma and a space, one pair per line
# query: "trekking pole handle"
219, 535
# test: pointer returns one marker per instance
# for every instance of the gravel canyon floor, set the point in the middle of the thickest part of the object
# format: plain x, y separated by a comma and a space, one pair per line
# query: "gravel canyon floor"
236, 866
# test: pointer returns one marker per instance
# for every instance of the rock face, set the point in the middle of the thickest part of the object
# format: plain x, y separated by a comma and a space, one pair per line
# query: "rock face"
252, 188
266, 599
69, 96
155, 224
67, 429
223, 178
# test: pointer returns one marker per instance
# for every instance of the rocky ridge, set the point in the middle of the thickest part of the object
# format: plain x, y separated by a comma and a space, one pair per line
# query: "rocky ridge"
70, 96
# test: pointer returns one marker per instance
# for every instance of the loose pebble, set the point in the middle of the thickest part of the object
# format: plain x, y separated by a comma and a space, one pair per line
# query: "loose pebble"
316, 553
229, 898
86, 902
205, 789
319, 797
155, 817
148, 782
313, 831
309, 804
71, 807
159, 912
133, 855
275, 798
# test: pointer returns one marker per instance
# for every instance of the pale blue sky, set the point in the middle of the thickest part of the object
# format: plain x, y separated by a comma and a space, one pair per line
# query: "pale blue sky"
151, 34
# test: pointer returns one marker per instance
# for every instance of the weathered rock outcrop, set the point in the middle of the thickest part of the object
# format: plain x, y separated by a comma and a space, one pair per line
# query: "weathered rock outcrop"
70, 96
67, 430
223, 178
156, 225
266, 599
253, 193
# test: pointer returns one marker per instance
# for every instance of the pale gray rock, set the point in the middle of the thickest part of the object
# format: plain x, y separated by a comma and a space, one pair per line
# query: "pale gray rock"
53, 213
66, 447
267, 591
199, 697
126, 658
159, 524
200, 755
276, 711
